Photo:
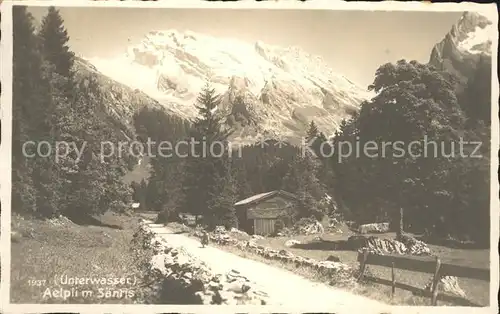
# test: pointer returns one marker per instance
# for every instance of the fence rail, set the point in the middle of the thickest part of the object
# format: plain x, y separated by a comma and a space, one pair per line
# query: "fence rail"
426, 265
431, 265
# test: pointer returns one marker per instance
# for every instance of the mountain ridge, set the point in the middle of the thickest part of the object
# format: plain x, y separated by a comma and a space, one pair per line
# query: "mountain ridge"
283, 88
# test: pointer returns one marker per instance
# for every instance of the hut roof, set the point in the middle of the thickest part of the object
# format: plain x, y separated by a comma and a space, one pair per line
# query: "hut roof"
264, 196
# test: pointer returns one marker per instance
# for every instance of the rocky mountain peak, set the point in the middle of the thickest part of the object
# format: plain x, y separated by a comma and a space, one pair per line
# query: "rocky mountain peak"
464, 46
282, 88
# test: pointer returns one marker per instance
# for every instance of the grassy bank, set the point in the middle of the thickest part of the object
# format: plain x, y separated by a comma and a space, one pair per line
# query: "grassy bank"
44, 252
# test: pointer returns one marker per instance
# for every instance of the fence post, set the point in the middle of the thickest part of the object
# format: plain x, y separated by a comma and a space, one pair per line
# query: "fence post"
363, 263
393, 281
435, 283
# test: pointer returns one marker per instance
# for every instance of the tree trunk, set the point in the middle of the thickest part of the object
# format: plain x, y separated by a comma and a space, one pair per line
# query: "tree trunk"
399, 231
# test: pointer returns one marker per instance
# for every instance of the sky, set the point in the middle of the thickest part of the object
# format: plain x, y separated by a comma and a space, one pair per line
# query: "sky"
353, 43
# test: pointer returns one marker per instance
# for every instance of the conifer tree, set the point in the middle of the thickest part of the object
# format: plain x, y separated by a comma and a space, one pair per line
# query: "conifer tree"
34, 180
312, 131
202, 169
316, 138
54, 45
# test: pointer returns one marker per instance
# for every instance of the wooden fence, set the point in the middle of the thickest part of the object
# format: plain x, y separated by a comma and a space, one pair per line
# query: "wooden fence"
431, 265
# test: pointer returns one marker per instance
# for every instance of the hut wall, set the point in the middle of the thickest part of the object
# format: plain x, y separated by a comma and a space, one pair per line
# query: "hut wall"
264, 227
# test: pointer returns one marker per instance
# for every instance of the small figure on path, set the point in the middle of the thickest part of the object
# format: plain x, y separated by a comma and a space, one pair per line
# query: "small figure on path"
205, 238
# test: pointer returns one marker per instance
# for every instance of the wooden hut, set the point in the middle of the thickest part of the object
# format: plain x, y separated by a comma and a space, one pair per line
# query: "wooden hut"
258, 214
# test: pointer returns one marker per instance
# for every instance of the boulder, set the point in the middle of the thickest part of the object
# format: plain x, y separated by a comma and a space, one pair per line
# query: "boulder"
285, 253
415, 247
385, 246
234, 275
333, 266
447, 284
298, 260
237, 231
212, 285
205, 297
408, 245
290, 243
450, 285
381, 227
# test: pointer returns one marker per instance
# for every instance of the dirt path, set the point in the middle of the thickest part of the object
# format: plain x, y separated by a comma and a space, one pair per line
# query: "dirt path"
283, 287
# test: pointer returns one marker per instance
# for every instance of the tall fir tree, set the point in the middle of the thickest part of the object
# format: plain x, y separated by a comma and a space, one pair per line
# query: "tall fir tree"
312, 131
54, 45
202, 169
26, 69
34, 179
316, 138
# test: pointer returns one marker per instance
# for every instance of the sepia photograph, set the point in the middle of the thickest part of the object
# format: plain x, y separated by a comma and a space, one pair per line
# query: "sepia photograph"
319, 158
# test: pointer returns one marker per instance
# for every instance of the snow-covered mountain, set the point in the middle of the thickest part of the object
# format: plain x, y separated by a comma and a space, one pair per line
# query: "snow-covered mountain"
466, 45
283, 88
